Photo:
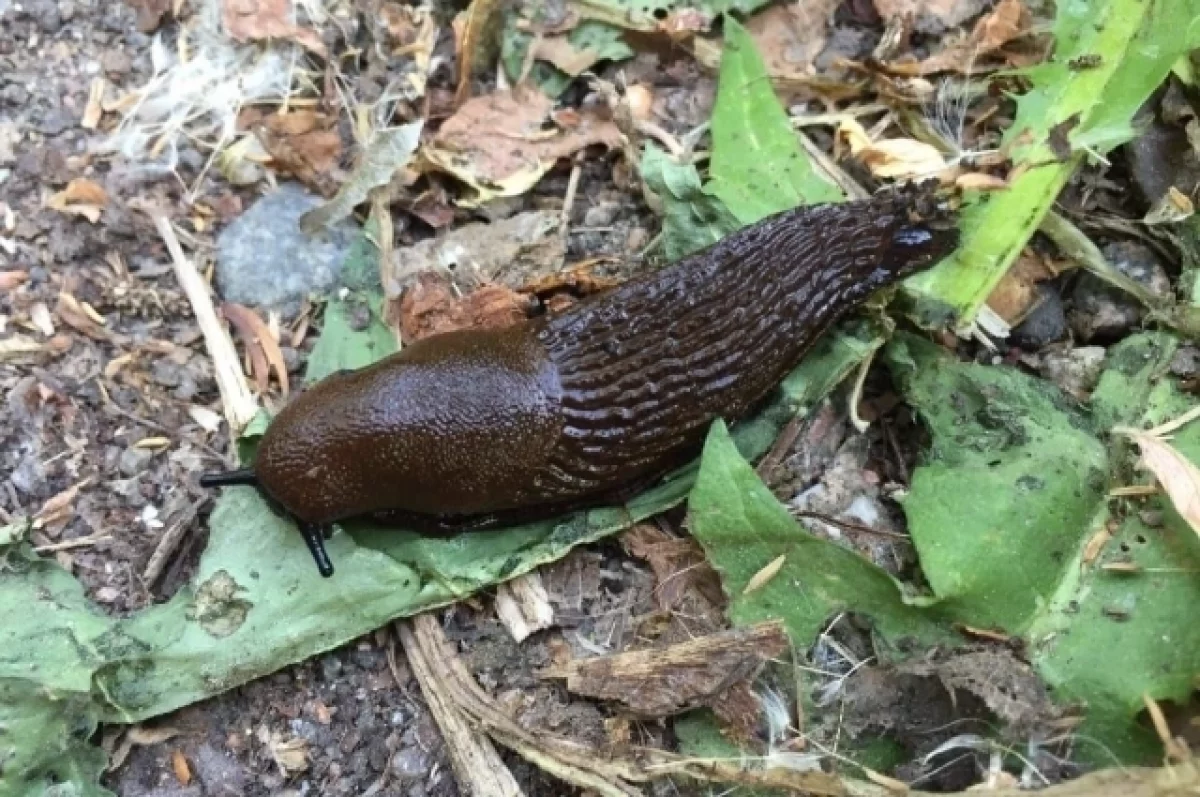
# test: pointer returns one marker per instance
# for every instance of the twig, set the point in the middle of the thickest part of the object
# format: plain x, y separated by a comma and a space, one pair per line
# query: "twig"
239, 404
564, 219
168, 542
79, 542
783, 443
476, 763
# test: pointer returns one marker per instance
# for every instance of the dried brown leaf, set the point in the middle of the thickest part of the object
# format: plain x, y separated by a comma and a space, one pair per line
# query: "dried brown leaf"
73, 313
82, 197
263, 349
1006, 22
790, 36
258, 20
500, 145
890, 158
678, 563
303, 143
431, 307
1015, 296
559, 51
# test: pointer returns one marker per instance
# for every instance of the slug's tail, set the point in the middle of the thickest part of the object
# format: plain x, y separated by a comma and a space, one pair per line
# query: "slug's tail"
229, 478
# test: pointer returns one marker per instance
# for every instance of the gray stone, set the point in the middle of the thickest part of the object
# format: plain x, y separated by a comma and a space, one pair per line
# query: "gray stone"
411, 763
133, 461
264, 260
1103, 313
1046, 324
221, 774
602, 214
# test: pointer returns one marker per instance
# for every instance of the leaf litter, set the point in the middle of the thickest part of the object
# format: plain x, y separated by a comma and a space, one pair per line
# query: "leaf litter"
696, 211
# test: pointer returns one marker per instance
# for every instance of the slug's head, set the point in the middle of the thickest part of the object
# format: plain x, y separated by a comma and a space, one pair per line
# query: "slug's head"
314, 535
923, 231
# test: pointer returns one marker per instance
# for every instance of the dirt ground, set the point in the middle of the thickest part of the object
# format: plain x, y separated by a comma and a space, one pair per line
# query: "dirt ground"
101, 418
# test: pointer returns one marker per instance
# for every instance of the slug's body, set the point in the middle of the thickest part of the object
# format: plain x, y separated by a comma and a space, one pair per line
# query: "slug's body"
475, 426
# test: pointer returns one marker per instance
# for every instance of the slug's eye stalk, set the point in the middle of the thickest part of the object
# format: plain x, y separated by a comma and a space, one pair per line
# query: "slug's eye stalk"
314, 538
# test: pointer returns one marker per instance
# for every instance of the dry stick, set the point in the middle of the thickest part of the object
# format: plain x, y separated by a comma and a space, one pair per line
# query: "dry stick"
476, 763
239, 404
168, 542
564, 219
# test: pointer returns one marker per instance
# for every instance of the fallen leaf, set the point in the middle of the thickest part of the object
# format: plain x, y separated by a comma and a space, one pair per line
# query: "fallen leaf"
290, 755
304, 144
261, 346
1009, 20
57, 510
678, 563
74, 314
144, 737
500, 144
559, 51
1179, 477
82, 196
890, 158
1016, 295
388, 152
790, 36
932, 13
764, 576
258, 20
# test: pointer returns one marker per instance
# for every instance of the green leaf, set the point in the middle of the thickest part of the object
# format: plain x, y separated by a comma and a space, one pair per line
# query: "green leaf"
1012, 480
44, 742
743, 528
354, 336
1110, 637
692, 219
758, 166
1138, 42
606, 41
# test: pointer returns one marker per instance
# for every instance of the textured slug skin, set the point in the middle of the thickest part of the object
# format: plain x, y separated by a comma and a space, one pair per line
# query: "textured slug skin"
568, 410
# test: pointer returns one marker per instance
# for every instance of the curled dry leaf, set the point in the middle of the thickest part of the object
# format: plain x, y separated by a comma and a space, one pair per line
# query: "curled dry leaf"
261, 346
1179, 476
1173, 207
1016, 295
501, 144
93, 110
260, 20
890, 158
75, 314
82, 197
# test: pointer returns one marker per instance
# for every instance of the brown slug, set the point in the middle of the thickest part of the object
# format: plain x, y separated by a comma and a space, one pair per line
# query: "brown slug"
476, 428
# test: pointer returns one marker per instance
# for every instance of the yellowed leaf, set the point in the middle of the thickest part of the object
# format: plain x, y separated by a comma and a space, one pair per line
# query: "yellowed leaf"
1179, 477
760, 579
890, 157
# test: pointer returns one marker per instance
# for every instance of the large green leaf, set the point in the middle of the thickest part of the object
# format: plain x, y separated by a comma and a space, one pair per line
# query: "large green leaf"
758, 166
1136, 42
1013, 479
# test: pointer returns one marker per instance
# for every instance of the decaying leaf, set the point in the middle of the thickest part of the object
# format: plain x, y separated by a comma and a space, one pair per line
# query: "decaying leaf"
303, 143
472, 45
659, 682
83, 197
1173, 207
1179, 476
259, 20
678, 563
890, 158
432, 306
1004, 23
388, 152
790, 36
501, 144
